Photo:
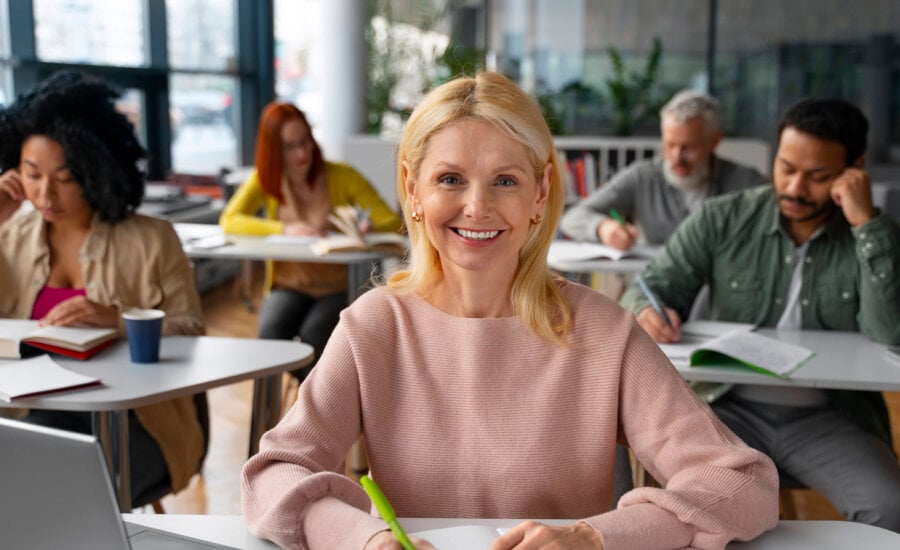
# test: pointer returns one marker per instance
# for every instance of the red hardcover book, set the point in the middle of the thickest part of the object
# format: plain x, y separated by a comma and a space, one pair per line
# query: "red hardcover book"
75, 354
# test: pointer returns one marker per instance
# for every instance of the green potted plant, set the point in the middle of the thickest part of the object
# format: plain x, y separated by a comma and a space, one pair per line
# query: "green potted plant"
631, 93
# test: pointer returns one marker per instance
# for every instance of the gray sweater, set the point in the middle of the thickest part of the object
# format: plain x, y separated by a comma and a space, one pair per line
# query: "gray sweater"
641, 193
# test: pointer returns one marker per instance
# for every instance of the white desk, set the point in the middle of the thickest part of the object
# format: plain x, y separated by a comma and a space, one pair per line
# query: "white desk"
359, 264
788, 535
578, 262
187, 365
843, 360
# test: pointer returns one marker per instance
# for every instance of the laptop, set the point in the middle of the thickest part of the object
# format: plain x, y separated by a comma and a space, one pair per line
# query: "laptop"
57, 494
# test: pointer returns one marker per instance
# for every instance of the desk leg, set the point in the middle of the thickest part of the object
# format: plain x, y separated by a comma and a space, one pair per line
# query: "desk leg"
358, 276
265, 410
245, 292
124, 462
102, 429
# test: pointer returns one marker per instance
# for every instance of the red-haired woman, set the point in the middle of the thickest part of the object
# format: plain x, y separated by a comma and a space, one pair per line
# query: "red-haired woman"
298, 188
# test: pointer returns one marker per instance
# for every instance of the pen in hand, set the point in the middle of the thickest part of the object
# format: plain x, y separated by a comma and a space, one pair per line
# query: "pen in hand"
645, 288
615, 215
386, 510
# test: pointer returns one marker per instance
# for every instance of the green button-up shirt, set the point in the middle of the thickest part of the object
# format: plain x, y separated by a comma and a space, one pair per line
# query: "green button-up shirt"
736, 243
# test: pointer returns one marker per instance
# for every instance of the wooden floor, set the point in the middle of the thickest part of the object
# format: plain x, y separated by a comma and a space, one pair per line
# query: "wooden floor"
217, 490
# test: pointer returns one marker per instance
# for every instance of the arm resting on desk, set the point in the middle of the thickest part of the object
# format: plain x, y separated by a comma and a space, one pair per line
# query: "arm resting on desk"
716, 488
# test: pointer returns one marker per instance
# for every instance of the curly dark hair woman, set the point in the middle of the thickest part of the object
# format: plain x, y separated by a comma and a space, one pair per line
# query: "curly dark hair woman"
101, 149
73, 252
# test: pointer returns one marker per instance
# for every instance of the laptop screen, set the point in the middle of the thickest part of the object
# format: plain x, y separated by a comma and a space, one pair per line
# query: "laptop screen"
57, 494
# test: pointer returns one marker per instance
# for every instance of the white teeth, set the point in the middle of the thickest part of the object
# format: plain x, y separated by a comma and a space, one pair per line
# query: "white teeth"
478, 235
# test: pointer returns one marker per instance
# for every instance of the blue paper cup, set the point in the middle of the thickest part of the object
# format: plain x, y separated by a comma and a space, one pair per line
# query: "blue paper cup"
144, 327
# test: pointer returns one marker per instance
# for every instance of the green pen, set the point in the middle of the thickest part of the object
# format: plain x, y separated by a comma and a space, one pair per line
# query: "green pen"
386, 510
615, 215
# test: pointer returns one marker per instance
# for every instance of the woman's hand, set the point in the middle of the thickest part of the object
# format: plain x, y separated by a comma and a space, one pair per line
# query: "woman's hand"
12, 194
302, 229
79, 311
531, 535
385, 540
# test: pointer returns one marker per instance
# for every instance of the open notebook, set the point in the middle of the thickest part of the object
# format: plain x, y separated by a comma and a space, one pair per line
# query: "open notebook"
57, 494
719, 344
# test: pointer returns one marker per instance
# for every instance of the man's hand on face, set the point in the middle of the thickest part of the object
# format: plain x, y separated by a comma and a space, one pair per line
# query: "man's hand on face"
852, 192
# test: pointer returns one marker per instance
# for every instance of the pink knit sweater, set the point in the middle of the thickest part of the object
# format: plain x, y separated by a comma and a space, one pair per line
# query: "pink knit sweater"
479, 418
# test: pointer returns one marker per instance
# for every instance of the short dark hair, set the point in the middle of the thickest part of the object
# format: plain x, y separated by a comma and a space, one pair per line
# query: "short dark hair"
101, 148
831, 120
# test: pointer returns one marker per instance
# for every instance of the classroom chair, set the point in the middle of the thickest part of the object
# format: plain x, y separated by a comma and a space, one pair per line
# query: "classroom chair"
154, 495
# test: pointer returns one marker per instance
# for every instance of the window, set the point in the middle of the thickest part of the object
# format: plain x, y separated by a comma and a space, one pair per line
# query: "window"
203, 123
90, 31
201, 34
131, 104
297, 31
202, 48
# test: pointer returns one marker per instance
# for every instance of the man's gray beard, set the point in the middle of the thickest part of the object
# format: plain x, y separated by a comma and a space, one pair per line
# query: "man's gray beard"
691, 182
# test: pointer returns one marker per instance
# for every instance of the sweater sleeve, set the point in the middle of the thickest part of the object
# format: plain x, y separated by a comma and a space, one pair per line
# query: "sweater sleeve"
239, 216
716, 488
293, 491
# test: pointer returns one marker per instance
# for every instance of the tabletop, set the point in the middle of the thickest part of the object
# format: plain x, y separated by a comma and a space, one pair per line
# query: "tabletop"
187, 365
842, 361
209, 241
231, 530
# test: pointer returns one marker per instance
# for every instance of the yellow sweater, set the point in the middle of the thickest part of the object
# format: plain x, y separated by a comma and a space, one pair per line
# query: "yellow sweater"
346, 186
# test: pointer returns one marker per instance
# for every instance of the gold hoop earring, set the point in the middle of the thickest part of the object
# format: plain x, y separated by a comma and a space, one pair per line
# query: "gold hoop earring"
536, 220
416, 216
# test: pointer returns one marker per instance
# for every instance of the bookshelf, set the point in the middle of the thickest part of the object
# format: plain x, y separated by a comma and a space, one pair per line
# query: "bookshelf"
589, 161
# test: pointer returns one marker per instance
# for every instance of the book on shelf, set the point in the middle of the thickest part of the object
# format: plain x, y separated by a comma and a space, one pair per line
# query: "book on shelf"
23, 337
39, 376
722, 344
348, 220
579, 251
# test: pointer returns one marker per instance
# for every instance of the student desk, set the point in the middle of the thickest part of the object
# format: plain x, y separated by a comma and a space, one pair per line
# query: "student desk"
843, 361
623, 266
788, 535
187, 365
238, 247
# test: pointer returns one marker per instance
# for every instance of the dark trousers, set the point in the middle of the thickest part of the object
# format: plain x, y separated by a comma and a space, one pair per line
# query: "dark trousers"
824, 450
286, 314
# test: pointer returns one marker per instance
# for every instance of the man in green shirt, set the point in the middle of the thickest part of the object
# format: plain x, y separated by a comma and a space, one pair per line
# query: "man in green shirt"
809, 252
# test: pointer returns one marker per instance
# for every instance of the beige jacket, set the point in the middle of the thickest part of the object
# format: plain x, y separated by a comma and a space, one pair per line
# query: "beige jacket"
137, 262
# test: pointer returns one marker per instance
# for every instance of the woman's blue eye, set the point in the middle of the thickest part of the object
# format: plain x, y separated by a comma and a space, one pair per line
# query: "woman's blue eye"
449, 180
506, 182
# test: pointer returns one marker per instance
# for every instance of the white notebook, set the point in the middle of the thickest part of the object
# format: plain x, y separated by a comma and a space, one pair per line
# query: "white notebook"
38, 375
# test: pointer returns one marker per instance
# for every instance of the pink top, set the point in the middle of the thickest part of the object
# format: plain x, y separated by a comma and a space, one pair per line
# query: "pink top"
49, 296
479, 418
